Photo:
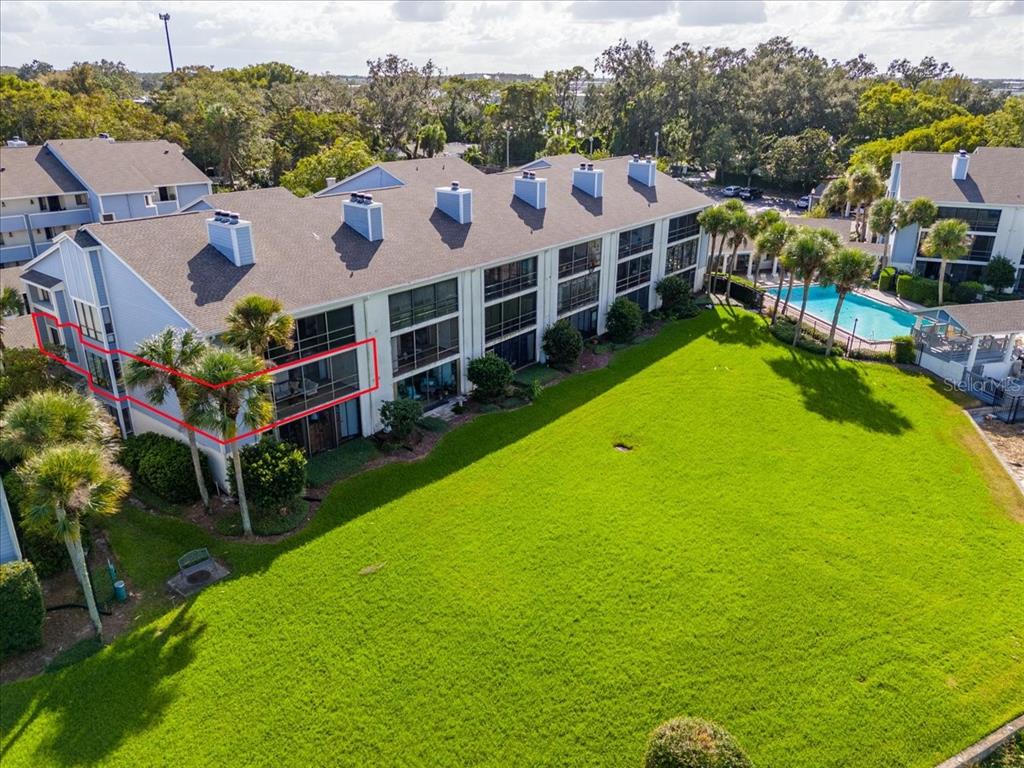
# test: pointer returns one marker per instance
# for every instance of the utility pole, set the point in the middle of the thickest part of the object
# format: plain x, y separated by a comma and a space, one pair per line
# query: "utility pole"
166, 17
508, 139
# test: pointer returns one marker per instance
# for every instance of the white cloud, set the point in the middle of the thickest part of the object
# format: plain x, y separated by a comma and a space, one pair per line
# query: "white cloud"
420, 10
609, 10
697, 13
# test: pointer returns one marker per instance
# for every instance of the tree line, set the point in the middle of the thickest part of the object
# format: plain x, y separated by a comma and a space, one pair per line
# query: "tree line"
778, 111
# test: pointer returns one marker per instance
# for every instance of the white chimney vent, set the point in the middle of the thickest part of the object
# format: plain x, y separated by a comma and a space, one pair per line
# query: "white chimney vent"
587, 180
961, 161
331, 181
455, 201
643, 171
364, 216
232, 236
531, 190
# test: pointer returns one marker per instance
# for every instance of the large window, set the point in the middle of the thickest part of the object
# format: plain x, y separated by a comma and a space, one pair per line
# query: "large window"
682, 227
432, 386
509, 316
579, 258
422, 304
317, 333
510, 278
167, 194
585, 322
98, 368
519, 351
88, 320
636, 241
578, 292
978, 219
423, 346
979, 248
680, 256
307, 386
641, 298
633, 273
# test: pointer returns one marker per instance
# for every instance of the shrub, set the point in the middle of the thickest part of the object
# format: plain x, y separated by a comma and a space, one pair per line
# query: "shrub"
624, 320
164, 465
881, 356
274, 473
399, 417
919, 289
967, 291
48, 555
903, 349
904, 286
676, 300
491, 375
886, 278
562, 344
811, 339
688, 742
999, 273
21, 608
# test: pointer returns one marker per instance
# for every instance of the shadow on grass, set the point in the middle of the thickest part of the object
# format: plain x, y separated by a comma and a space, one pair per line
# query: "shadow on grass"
96, 704
743, 327
840, 393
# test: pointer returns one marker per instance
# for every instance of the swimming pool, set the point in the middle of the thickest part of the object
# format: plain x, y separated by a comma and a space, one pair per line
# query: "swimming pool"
875, 321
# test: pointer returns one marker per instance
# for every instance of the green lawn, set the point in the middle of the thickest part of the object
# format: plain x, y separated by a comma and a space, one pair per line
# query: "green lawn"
818, 555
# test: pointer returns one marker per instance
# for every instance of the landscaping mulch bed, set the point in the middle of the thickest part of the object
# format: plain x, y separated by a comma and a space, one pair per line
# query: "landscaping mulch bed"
1008, 440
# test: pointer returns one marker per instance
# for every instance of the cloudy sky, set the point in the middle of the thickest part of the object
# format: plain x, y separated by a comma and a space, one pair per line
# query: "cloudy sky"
982, 38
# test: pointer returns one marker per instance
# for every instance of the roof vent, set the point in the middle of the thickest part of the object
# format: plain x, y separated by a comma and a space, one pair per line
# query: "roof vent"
455, 202
643, 171
364, 216
232, 236
587, 180
531, 190
961, 161
331, 181
107, 136
17, 142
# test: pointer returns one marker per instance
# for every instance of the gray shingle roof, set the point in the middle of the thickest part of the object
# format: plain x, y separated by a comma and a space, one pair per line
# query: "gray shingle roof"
19, 332
995, 175
305, 257
38, 278
127, 166
990, 318
33, 171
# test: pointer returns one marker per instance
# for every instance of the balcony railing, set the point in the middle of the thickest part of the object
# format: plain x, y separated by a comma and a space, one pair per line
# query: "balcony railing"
10, 254
70, 217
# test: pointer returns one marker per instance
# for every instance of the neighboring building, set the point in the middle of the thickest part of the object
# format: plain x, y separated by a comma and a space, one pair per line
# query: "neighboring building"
9, 547
65, 183
985, 188
436, 271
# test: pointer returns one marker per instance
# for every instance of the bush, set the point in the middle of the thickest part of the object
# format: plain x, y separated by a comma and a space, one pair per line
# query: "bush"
562, 344
919, 289
21, 608
811, 339
676, 300
968, 291
624, 320
164, 465
883, 356
688, 742
903, 286
399, 417
999, 273
491, 375
903, 350
886, 278
48, 555
274, 473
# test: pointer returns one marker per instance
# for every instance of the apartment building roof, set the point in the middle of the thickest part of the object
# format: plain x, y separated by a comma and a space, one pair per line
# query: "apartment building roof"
111, 167
32, 172
18, 330
993, 176
305, 257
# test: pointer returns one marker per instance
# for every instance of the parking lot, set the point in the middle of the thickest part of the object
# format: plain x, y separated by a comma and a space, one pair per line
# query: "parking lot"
784, 203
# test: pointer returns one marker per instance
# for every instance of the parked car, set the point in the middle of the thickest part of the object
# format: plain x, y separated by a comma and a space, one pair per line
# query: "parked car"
804, 202
751, 193
731, 191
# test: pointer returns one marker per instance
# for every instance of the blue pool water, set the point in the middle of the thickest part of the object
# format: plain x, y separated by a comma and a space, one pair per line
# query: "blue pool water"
875, 321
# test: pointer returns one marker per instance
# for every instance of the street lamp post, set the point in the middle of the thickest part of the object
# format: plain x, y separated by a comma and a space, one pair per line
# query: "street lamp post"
508, 139
591, 147
657, 135
166, 17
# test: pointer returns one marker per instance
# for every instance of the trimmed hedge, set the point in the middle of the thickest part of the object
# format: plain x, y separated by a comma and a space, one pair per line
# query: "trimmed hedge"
886, 278
274, 473
21, 608
919, 289
904, 350
968, 291
689, 742
624, 320
164, 465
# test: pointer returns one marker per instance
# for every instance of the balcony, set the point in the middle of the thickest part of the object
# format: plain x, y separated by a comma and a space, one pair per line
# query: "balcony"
71, 217
12, 254
14, 223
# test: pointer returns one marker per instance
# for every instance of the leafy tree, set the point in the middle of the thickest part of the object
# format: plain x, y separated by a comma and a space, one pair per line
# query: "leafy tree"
462, 106
396, 99
624, 320
770, 243
523, 109
999, 273
348, 155
687, 742
177, 351
882, 219
836, 194
473, 155
34, 71
257, 323
567, 90
26, 371
887, 110
913, 75
864, 186
1005, 126
948, 135
65, 485
676, 300
631, 99
235, 400
490, 375
847, 269
803, 159
947, 241
112, 78
562, 344
49, 418
809, 252
400, 416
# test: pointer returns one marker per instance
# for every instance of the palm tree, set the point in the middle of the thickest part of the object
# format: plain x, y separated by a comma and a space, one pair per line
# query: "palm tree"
49, 418
848, 269
770, 243
714, 221
243, 397
882, 220
741, 226
177, 350
920, 211
864, 186
947, 241
836, 194
256, 323
64, 485
810, 251
762, 221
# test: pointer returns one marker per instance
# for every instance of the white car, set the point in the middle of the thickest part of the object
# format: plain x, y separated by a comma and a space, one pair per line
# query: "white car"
731, 191
804, 202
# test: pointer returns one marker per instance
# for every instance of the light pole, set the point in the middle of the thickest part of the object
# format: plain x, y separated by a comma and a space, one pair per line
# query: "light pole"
591, 147
166, 17
657, 134
508, 139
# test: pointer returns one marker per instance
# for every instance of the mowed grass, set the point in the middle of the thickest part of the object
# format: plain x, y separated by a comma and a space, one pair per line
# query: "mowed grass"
818, 555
